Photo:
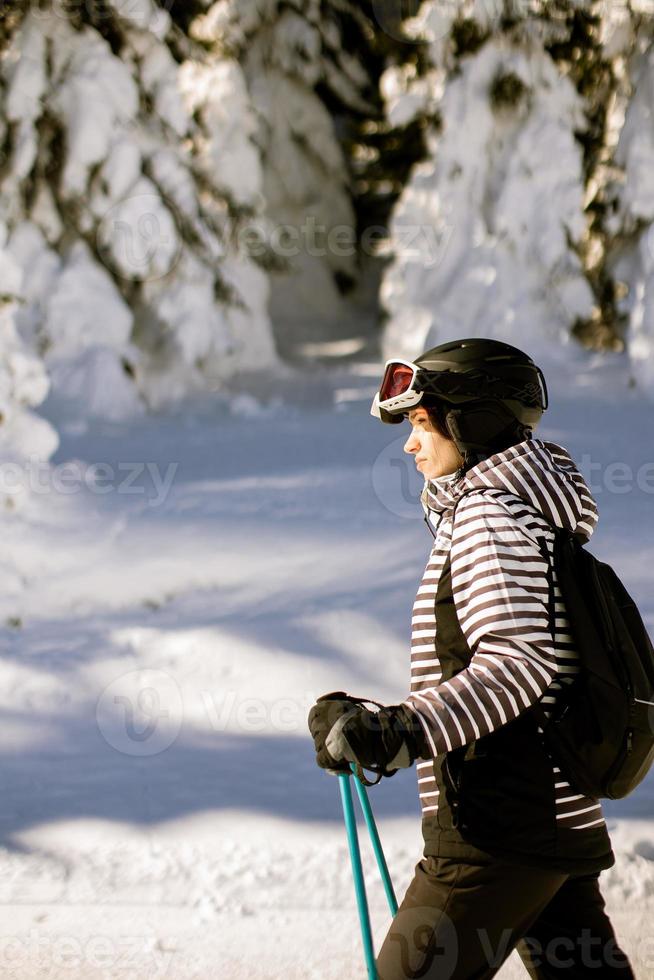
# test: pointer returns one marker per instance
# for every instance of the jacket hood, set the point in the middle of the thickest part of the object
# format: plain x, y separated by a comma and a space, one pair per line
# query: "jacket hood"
540, 473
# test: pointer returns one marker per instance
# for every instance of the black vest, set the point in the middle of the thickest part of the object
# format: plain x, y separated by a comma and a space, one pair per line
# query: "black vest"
497, 793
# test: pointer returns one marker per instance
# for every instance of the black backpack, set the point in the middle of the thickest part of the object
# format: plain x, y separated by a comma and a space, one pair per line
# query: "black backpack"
602, 730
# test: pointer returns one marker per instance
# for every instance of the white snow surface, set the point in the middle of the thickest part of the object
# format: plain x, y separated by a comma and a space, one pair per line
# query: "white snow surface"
177, 593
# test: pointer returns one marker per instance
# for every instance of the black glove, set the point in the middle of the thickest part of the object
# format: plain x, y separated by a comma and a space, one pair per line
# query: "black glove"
345, 731
327, 710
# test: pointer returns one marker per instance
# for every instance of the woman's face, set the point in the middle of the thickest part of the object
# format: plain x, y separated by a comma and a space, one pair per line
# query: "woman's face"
434, 454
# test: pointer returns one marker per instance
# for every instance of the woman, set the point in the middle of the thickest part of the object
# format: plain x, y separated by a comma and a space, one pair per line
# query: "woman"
512, 851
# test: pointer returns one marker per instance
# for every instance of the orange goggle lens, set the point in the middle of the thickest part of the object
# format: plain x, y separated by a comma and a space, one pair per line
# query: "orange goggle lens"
397, 379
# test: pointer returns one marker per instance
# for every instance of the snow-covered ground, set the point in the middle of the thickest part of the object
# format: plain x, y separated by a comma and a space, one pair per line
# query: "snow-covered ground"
177, 592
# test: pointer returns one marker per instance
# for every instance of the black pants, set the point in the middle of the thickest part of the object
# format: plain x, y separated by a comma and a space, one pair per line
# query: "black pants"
460, 920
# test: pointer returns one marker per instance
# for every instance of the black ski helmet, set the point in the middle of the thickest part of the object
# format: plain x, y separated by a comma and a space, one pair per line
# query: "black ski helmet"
489, 393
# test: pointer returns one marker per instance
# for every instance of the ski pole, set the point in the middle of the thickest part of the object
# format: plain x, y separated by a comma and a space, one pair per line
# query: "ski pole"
376, 843
357, 873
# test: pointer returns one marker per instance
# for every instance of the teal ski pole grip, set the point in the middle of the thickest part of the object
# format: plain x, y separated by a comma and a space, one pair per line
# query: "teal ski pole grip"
376, 843
357, 873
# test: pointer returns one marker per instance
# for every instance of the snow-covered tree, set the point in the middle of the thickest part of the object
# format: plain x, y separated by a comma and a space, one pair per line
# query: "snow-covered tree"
630, 218
310, 67
174, 175
128, 171
23, 382
510, 214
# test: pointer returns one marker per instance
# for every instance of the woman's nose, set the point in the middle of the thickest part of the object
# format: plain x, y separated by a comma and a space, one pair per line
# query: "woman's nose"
411, 445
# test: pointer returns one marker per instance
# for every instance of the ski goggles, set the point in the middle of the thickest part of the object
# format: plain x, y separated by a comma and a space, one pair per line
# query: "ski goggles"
397, 392
404, 384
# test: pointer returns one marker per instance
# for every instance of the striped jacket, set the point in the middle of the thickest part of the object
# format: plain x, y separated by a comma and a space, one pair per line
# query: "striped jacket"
499, 586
